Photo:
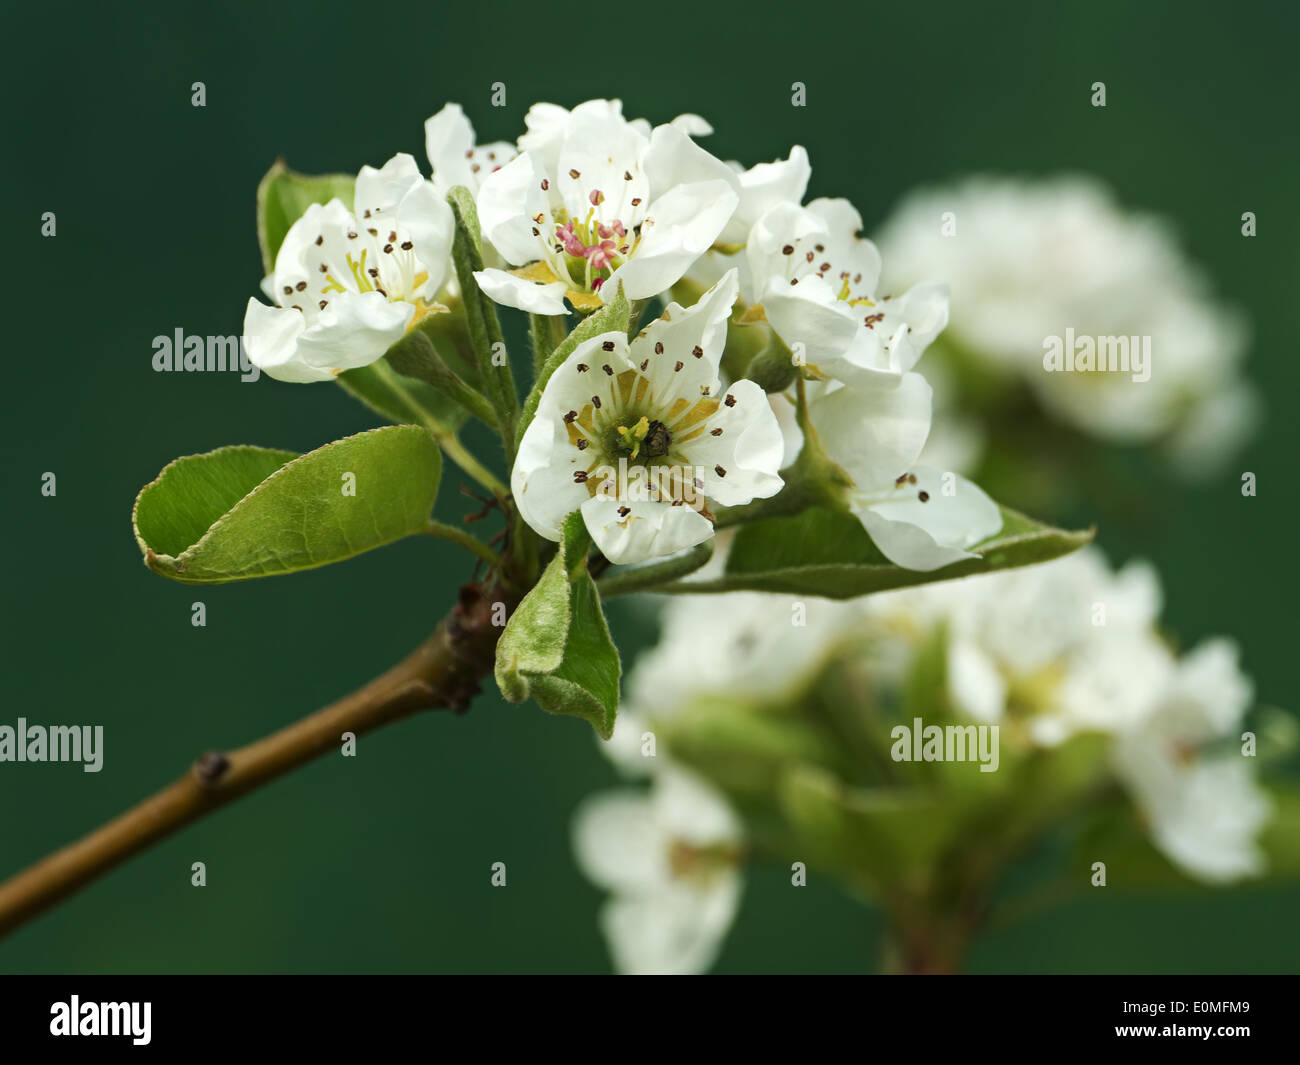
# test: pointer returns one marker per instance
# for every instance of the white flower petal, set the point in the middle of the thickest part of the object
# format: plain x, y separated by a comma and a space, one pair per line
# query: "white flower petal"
811, 321
674, 159
354, 330
675, 337
385, 188
692, 124
764, 187
927, 535
1209, 690
686, 221
619, 843
974, 683
602, 153
448, 140
692, 810
678, 931
912, 321
531, 296
548, 125
649, 528
453, 154
508, 200
875, 432
849, 252
318, 218
542, 480
271, 340
784, 226
1204, 816
624, 747
427, 220
741, 462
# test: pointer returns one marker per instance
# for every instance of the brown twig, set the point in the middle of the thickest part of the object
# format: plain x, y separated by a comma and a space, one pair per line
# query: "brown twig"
443, 672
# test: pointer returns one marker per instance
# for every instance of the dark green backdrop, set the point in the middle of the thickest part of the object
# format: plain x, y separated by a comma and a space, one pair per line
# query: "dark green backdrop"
382, 863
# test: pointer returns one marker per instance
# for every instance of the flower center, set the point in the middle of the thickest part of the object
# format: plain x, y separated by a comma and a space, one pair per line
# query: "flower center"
367, 255
802, 260
586, 252
646, 439
701, 864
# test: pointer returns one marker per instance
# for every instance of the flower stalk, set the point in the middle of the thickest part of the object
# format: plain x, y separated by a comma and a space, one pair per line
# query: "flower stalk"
442, 673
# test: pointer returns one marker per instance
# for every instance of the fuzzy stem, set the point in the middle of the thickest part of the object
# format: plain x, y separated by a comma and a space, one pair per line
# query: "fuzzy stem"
464, 458
459, 536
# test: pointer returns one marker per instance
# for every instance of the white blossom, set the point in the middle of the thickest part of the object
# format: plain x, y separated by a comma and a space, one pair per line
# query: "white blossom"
349, 284
455, 155
594, 201
1066, 647
670, 859
1027, 260
641, 437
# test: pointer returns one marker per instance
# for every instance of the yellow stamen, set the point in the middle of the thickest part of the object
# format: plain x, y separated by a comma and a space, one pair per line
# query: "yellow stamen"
634, 436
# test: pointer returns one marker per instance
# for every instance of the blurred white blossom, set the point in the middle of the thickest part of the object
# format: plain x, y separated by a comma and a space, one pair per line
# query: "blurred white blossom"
670, 859
1070, 646
1027, 259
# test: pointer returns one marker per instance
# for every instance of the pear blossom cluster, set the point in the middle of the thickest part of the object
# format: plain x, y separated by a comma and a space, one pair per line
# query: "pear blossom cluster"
647, 438
1029, 259
1047, 653
799, 274
1069, 647
730, 340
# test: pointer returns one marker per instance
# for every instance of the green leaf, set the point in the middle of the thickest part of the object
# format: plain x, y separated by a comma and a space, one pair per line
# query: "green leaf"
828, 553
612, 318
556, 648
242, 512
283, 196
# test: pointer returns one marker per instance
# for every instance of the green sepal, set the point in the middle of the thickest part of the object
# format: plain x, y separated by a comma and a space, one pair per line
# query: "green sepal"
282, 197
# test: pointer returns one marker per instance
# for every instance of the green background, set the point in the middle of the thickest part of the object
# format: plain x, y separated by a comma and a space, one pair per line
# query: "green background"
382, 862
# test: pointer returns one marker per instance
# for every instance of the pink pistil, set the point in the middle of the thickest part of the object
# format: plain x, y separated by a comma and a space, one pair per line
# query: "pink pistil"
601, 255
